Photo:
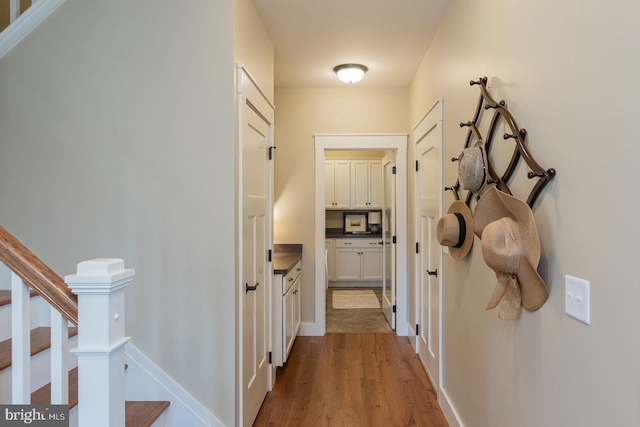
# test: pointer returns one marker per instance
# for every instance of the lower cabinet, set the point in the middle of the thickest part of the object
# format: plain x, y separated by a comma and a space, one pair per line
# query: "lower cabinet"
287, 312
358, 259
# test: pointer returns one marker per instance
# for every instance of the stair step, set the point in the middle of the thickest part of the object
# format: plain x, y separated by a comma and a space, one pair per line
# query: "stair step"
5, 296
137, 413
143, 413
40, 340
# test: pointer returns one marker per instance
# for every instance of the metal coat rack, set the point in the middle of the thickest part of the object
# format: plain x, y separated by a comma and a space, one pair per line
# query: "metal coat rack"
520, 151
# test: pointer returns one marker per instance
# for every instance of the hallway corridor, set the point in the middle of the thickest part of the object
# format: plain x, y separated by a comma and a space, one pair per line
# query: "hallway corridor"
351, 380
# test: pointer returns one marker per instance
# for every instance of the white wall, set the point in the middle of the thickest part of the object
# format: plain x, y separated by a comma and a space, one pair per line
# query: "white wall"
116, 140
300, 113
568, 72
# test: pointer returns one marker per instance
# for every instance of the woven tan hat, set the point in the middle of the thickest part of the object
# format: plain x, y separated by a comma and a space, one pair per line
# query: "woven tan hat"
455, 230
472, 167
510, 247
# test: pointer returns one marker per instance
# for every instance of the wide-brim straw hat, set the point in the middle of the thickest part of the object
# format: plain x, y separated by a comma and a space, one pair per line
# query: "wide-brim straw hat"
473, 167
455, 230
510, 243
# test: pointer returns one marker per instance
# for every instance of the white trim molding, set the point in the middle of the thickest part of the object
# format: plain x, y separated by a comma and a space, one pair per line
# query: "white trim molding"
375, 141
25, 23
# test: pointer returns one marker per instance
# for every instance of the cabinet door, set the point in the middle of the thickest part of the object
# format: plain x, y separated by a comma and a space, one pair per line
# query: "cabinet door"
359, 184
375, 184
287, 322
342, 182
347, 264
371, 263
296, 310
329, 184
329, 245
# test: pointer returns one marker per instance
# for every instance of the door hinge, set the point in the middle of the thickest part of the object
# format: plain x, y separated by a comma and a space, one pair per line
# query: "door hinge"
393, 170
393, 240
393, 309
271, 148
269, 255
417, 166
417, 329
269, 358
417, 247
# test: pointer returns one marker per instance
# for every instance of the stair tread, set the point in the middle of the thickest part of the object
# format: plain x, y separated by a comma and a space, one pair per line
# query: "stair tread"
5, 296
42, 396
143, 413
40, 340
137, 413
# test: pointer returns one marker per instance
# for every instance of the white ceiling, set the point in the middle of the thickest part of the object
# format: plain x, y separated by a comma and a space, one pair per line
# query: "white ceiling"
310, 37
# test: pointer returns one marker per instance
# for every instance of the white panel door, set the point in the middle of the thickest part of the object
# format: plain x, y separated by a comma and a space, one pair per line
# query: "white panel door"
256, 274
428, 189
388, 231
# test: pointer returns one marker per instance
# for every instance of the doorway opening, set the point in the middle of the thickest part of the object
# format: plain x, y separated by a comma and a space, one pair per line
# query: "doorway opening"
394, 145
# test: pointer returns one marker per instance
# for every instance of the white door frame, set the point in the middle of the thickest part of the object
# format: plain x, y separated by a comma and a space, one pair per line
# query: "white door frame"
393, 142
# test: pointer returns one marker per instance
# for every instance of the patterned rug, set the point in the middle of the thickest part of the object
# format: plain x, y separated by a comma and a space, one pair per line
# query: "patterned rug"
355, 299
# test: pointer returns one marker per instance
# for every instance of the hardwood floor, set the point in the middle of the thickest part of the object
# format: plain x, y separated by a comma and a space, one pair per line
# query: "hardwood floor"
352, 380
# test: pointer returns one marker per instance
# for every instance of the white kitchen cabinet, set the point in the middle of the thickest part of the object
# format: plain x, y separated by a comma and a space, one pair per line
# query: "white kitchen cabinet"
287, 312
329, 245
337, 188
366, 184
358, 259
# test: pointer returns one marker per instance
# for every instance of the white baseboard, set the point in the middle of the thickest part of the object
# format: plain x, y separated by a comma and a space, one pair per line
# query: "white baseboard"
311, 329
146, 381
448, 410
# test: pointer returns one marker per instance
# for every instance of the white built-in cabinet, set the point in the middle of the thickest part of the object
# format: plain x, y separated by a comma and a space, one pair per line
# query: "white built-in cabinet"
366, 184
287, 308
329, 245
353, 184
337, 173
358, 259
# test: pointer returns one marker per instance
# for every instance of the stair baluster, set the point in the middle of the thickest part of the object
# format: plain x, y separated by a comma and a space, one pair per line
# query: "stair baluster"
21, 342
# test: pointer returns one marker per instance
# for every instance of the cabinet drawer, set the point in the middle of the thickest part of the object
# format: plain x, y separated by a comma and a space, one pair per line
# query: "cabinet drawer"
291, 277
358, 243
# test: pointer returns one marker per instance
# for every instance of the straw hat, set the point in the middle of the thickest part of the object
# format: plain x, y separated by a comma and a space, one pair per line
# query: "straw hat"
472, 167
510, 246
455, 230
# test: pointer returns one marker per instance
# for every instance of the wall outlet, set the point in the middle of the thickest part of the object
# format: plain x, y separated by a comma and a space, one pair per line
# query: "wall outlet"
577, 301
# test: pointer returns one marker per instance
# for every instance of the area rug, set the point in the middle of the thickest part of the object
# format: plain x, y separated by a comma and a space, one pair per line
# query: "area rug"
355, 299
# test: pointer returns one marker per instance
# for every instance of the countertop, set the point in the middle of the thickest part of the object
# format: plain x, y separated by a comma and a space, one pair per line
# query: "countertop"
285, 257
338, 233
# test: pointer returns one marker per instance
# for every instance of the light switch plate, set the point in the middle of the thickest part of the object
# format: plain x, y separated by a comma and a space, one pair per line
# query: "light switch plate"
577, 301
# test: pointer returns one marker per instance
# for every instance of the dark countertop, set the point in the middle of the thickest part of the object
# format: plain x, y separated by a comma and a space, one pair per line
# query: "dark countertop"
285, 257
338, 233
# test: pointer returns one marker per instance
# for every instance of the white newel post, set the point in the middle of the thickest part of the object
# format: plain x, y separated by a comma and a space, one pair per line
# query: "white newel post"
100, 285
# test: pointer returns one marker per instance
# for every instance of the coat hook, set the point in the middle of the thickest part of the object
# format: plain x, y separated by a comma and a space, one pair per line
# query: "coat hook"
449, 189
532, 175
502, 104
463, 124
509, 135
455, 159
493, 181
471, 83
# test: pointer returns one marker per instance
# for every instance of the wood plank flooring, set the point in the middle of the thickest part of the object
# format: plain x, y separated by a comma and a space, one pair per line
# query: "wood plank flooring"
352, 380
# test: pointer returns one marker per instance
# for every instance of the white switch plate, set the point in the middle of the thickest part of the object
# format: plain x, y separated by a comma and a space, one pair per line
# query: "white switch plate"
577, 301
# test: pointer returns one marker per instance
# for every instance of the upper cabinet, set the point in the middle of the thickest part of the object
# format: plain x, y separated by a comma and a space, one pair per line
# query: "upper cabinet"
353, 184
366, 184
337, 174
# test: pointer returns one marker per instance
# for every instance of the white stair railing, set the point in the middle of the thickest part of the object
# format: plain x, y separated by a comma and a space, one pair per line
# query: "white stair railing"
99, 285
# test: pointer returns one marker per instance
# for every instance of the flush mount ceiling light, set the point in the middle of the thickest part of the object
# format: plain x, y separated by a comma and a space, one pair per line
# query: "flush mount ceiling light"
350, 73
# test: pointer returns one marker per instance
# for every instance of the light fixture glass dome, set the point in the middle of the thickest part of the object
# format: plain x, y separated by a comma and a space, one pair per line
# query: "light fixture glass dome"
350, 73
